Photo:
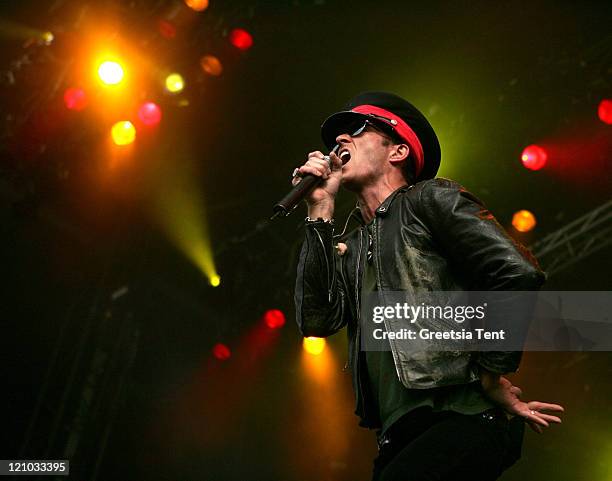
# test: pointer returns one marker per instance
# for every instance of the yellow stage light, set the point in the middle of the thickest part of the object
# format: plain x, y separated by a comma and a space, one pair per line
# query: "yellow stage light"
110, 72
123, 133
175, 83
47, 38
314, 345
179, 210
523, 221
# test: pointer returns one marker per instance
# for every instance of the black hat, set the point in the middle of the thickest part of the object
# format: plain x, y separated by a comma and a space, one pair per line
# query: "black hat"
406, 121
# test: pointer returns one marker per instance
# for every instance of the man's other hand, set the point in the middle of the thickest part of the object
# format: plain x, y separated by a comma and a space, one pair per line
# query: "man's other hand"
501, 391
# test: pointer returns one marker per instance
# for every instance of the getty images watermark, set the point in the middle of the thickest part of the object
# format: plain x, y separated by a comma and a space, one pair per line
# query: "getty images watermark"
411, 314
487, 321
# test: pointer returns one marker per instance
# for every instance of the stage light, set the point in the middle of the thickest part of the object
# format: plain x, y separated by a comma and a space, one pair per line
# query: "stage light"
149, 113
274, 318
523, 221
110, 72
175, 83
221, 352
241, 39
166, 28
211, 65
313, 345
534, 157
47, 38
123, 133
605, 111
178, 208
75, 98
197, 5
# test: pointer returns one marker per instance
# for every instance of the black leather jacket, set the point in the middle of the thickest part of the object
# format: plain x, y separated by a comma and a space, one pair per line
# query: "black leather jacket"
435, 236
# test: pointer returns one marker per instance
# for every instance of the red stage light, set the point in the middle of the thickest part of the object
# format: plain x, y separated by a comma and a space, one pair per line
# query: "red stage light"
75, 98
167, 29
274, 318
605, 111
149, 113
534, 157
221, 352
241, 39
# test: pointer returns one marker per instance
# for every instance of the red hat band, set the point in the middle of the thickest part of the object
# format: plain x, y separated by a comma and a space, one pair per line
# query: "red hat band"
401, 128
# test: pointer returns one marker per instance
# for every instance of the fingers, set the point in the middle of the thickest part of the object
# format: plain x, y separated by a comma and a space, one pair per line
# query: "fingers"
532, 412
316, 153
336, 163
550, 418
539, 406
538, 420
316, 165
536, 408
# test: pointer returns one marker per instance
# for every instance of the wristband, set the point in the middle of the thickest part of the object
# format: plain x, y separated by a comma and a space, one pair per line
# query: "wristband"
320, 219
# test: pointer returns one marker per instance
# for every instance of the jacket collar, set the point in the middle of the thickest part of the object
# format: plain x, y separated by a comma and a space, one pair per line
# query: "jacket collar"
384, 207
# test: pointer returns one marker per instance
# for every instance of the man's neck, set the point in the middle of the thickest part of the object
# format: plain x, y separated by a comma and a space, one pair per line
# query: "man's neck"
372, 196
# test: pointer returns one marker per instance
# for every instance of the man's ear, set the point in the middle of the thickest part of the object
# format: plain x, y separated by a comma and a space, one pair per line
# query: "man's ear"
399, 153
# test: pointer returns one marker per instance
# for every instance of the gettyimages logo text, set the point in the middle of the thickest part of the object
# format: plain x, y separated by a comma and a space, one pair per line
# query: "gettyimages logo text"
412, 313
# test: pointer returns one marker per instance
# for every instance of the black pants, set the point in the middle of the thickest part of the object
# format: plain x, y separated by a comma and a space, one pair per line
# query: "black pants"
446, 446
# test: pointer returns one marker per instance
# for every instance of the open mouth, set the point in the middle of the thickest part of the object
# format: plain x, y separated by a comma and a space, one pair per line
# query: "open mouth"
345, 156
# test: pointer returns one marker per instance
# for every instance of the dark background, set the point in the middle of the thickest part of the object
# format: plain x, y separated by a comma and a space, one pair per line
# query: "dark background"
109, 327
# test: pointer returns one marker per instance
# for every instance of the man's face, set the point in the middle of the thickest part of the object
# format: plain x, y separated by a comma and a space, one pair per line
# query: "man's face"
369, 153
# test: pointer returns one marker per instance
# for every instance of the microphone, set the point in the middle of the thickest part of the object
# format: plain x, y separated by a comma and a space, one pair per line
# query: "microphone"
287, 204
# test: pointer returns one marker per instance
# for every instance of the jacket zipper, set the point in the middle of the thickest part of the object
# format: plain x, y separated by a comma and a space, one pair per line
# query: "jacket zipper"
358, 284
375, 254
357, 278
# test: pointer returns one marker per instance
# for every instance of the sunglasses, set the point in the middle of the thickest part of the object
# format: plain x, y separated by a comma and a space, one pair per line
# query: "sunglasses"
356, 128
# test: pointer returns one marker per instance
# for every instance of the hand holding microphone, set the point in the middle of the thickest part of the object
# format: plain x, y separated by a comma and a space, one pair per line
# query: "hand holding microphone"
318, 182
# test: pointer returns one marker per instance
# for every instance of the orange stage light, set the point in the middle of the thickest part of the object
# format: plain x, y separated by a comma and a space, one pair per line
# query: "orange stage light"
523, 221
211, 65
241, 39
166, 28
534, 157
123, 132
197, 5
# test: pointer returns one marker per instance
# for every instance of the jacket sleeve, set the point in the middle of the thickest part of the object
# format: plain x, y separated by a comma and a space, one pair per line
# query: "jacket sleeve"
320, 297
478, 247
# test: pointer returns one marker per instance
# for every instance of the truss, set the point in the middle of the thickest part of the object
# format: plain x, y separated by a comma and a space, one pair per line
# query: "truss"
575, 241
